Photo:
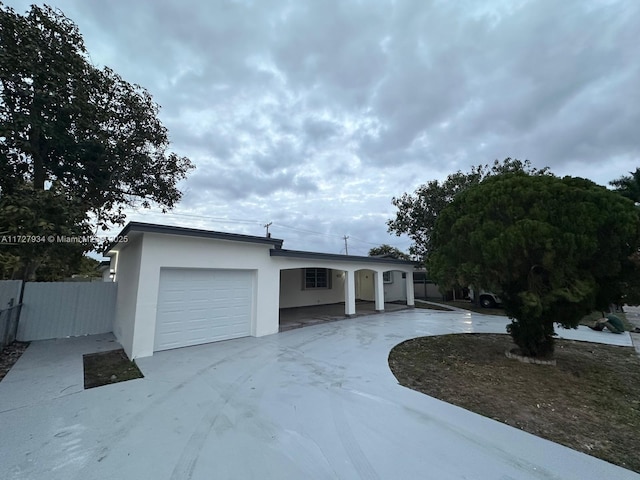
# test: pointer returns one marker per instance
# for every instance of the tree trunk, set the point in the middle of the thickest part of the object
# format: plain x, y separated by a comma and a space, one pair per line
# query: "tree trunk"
38, 161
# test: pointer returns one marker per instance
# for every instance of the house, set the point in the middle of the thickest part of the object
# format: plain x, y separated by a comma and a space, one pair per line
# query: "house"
104, 268
183, 286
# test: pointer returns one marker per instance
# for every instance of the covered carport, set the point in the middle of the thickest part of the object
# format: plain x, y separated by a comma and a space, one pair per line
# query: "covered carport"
346, 282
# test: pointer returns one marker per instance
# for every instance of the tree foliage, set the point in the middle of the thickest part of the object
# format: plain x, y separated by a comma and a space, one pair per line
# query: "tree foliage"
32, 223
628, 186
87, 131
417, 213
388, 251
554, 249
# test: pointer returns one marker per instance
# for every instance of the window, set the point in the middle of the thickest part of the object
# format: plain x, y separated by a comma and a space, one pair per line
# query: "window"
387, 277
317, 278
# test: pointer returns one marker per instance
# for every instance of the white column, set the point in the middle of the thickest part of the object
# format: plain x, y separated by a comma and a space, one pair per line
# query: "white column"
349, 293
378, 286
410, 294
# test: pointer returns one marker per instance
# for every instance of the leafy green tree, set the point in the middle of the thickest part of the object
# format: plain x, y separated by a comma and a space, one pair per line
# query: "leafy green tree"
86, 130
628, 186
554, 249
388, 250
417, 213
34, 224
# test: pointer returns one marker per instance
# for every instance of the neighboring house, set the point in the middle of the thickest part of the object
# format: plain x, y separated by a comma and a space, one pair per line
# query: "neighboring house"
105, 271
182, 286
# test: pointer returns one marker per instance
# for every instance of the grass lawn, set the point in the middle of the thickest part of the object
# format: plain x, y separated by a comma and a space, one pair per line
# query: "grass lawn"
589, 402
104, 368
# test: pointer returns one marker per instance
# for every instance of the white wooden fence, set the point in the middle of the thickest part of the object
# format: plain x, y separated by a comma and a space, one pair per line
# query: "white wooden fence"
66, 309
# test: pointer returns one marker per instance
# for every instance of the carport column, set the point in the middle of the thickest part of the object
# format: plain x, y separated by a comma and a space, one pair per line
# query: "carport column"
349, 293
378, 286
410, 293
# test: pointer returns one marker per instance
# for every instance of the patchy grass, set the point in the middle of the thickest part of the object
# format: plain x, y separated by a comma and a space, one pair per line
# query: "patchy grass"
105, 368
590, 319
589, 402
10, 355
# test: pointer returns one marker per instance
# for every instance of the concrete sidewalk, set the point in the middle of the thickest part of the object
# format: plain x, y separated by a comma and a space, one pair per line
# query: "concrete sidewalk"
316, 402
633, 316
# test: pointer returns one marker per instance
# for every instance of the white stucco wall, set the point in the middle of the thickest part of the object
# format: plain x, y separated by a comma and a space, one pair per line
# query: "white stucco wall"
162, 250
106, 275
138, 265
397, 289
293, 295
365, 288
126, 262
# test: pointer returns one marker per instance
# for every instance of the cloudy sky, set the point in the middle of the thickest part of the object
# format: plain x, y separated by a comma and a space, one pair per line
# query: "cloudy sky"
314, 114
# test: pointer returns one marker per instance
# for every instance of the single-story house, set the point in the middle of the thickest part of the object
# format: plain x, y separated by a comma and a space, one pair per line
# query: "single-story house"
105, 271
183, 286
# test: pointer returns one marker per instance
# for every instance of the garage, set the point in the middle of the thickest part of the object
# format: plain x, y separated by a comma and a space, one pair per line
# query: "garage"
180, 286
198, 306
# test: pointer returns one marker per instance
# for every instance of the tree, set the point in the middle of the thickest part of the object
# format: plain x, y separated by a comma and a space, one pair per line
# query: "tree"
553, 249
417, 213
628, 186
86, 130
80, 266
389, 251
35, 227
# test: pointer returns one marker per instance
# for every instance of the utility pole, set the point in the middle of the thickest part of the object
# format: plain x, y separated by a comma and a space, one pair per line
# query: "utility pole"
346, 247
267, 227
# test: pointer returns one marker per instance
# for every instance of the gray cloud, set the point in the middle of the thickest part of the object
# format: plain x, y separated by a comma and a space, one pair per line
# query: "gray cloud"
317, 113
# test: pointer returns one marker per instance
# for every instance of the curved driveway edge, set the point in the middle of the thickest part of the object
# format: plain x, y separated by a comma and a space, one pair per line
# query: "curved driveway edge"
317, 402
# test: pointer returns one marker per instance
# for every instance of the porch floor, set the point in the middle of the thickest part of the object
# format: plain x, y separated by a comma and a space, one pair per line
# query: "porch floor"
298, 317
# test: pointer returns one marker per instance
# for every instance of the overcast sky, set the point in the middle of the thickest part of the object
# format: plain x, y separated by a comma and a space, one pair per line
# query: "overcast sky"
314, 114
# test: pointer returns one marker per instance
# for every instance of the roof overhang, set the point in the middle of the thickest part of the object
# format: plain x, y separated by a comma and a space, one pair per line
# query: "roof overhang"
340, 258
133, 229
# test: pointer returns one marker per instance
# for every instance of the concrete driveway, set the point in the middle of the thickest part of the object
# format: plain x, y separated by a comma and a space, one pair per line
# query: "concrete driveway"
316, 402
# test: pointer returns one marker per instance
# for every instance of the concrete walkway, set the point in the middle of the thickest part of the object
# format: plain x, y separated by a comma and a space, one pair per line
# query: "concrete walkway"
633, 316
298, 317
315, 402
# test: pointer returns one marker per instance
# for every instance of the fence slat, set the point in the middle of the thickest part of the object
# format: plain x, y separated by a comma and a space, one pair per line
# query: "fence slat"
9, 324
9, 290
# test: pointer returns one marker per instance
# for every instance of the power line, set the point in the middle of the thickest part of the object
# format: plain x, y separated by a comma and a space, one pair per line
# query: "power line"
258, 222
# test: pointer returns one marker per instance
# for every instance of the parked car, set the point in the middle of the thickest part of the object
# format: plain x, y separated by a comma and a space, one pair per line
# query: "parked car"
486, 299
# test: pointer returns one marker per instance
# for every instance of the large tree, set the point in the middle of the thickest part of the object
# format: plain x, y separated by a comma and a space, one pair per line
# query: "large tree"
34, 228
417, 212
554, 249
628, 186
388, 251
87, 131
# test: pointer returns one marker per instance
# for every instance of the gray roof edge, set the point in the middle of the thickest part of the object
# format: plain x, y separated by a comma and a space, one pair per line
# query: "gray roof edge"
335, 256
193, 232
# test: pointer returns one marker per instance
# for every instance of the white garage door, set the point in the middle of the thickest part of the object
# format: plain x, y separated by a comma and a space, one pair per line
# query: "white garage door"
200, 306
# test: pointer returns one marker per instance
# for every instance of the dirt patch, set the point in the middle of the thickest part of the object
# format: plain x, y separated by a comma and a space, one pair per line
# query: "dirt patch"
589, 401
105, 368
10, 355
